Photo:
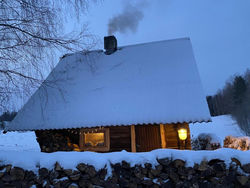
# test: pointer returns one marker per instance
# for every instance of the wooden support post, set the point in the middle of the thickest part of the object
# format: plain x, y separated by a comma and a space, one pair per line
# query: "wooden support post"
133, 141
81, 140
163, 136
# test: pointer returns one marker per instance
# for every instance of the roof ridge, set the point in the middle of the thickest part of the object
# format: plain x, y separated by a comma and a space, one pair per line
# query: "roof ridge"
84, 52
152, 42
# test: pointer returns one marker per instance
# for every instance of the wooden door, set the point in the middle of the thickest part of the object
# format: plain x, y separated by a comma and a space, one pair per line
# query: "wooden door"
147, 137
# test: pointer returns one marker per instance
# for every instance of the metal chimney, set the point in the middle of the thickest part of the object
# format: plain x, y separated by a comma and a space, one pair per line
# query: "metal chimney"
110, 44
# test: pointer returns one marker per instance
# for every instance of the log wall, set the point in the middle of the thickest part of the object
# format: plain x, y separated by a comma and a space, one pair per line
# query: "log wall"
120, 138
148, 137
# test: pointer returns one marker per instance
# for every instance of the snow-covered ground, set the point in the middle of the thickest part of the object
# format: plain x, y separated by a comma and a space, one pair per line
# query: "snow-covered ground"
18, 141
221, 126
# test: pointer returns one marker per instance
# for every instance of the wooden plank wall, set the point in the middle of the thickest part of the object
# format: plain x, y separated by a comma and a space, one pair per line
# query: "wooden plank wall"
120, 138
172, 138
147, 137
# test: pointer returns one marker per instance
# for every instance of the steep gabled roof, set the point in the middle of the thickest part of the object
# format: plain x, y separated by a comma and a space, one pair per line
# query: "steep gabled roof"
156, 82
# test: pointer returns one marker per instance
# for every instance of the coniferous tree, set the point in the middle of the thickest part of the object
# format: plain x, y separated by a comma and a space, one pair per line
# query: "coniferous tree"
239, 90
240, 104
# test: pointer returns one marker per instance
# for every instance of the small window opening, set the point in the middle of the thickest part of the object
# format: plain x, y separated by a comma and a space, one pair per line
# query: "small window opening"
94, 139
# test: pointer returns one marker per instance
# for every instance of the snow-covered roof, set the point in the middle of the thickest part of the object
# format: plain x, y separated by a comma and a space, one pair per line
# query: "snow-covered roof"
156, 82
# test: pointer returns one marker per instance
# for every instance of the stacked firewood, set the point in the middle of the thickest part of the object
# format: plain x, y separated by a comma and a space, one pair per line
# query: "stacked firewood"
51, 141
240, 143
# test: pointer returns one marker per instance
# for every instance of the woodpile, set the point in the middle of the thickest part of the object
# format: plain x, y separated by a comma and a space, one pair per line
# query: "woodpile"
167, 173
240, 143
58, 140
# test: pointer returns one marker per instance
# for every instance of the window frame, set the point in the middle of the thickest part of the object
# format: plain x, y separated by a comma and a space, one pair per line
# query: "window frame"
106, 146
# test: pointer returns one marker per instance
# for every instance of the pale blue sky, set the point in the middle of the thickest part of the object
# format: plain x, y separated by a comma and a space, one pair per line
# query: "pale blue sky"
219, 31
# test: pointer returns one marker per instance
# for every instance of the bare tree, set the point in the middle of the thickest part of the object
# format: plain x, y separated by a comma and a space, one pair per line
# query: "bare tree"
31, 32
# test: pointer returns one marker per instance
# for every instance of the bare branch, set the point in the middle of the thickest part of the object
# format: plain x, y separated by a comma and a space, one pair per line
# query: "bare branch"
31, 33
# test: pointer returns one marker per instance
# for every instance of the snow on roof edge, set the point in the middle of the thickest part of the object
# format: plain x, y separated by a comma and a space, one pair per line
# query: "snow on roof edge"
78, 127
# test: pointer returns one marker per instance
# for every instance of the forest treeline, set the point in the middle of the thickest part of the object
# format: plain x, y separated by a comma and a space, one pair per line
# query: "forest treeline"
233, 99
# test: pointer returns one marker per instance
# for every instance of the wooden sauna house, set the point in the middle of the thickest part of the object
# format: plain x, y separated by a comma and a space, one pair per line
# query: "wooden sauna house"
135, 98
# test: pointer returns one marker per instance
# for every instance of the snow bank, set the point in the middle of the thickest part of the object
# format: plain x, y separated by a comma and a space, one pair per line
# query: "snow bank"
18, 141
69, 160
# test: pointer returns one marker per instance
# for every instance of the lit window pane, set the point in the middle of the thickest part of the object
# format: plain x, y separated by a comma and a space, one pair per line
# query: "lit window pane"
94, 139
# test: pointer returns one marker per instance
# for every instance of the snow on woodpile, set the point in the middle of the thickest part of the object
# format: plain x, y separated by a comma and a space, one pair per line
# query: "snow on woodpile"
69, 160
206, 141
156, 82
213, 138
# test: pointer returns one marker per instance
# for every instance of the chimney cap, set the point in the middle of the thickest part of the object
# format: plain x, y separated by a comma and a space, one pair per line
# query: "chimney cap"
110, 44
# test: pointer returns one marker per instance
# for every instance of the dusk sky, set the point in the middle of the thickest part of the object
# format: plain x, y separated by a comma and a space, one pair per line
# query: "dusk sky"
219, 31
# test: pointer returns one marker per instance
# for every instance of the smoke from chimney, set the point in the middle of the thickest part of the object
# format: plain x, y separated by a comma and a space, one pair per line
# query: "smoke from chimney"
128, 20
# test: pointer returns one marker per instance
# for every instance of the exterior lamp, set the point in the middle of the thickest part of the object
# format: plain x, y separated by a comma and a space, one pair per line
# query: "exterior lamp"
182, 133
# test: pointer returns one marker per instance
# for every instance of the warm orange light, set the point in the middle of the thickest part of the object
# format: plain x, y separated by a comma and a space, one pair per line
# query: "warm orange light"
182, 133
94, 139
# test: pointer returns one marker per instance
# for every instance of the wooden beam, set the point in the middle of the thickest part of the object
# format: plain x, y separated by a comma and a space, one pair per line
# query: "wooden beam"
107, 139
188, 141
81, 140
163, 136
133, 141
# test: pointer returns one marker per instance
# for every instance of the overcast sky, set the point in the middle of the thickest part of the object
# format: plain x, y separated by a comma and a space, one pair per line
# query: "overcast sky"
219, 31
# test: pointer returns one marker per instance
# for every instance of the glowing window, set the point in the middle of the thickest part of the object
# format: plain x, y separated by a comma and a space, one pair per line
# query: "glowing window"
95, 139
